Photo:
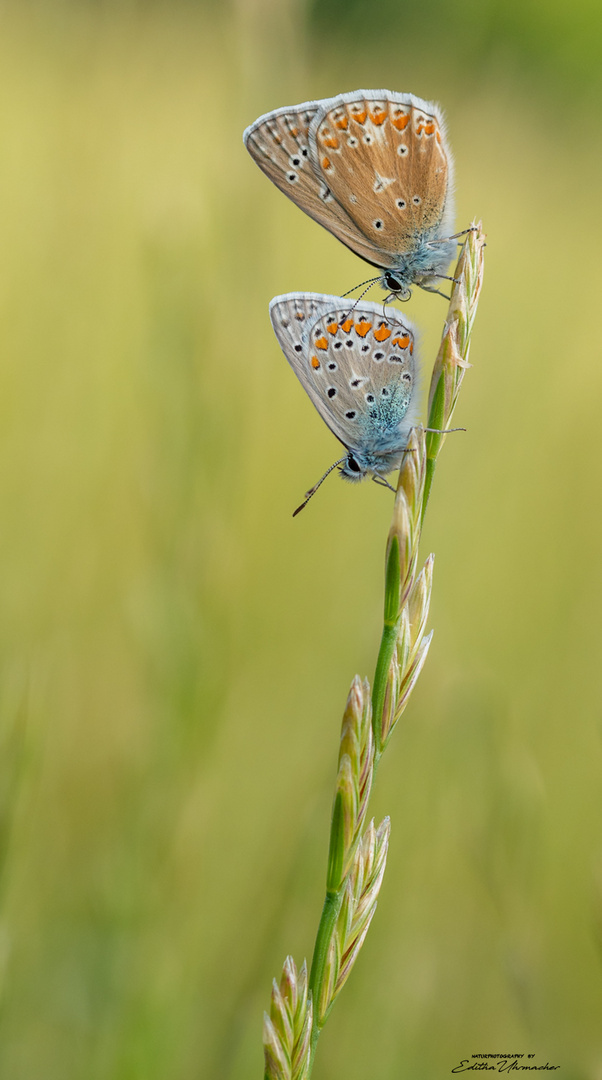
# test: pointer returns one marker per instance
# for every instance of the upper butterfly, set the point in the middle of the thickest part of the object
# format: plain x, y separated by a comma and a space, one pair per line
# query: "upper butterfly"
360, 370
374, 168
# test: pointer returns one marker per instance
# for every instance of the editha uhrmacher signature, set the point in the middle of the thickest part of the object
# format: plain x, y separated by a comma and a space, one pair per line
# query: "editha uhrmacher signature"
502, 1063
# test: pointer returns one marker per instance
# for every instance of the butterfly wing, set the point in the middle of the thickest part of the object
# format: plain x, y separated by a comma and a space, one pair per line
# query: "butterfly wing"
358, 367
385, 159
279, 143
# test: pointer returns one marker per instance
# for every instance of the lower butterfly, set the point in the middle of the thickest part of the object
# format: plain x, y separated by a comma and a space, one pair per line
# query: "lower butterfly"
360, 369
373, 167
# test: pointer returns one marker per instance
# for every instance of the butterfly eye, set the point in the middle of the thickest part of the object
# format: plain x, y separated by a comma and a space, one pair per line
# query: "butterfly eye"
352, 464
391, 282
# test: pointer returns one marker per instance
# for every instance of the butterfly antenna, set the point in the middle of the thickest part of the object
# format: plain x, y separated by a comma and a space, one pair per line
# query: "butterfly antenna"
360, 297
312, 491
368, 282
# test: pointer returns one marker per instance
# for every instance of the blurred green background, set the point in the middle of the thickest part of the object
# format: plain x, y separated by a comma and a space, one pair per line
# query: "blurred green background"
175, 650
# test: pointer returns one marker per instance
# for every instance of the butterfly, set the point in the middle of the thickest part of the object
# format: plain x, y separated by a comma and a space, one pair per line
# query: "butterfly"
360, 370
373, 167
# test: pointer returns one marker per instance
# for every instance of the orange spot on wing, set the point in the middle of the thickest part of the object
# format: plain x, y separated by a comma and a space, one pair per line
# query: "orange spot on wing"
331, 142
411, 346
294, 132
346, 326
379, 117
325, 163
360, 116
277, 139
332, 327
429, 128
382, 333
315, 363
403, 342
400, 122
438, 136
343, 123
321, 343
362, 327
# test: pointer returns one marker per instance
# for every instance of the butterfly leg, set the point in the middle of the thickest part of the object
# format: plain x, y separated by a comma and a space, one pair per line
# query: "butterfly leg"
445, 431
380, 480
445, 277
425, 288
455, 236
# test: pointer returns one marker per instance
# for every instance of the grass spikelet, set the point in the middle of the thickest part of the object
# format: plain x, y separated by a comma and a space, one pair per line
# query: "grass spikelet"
287, 1029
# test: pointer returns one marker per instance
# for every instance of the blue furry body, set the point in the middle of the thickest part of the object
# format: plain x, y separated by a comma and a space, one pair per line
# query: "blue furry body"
382, 437
423, 266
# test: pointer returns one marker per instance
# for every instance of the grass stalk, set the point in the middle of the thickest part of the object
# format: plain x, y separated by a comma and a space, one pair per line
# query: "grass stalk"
358, 851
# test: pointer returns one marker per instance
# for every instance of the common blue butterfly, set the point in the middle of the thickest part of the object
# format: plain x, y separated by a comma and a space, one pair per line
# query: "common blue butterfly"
374, 167
360, 369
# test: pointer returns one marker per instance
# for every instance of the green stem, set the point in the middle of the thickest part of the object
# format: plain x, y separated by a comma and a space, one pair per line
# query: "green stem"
428, 480
388, 644
330, 912
433, 440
